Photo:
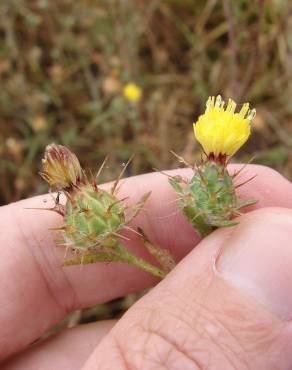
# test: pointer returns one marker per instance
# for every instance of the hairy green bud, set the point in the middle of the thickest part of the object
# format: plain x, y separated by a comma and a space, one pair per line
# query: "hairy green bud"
209, 199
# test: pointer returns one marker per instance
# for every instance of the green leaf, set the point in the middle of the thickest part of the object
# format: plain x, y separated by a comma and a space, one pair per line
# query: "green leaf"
176, 186
92, 258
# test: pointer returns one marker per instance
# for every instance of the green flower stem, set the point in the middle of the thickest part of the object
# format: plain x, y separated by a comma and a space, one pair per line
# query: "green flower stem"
116, 254
127, 257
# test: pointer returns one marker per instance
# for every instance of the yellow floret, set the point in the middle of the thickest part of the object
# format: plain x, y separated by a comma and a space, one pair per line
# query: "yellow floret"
222, 131
132, 92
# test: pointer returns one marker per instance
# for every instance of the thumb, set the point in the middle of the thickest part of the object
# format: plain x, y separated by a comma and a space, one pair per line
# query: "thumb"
227, 305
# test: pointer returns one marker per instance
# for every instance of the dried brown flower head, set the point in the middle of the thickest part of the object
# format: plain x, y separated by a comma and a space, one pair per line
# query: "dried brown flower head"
61, 168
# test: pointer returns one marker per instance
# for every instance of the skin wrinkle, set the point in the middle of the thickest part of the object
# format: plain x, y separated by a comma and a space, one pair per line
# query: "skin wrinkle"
166, 356
187, 305
178, 318
174, 347
122, 354
274, 356
144, 359
208, 316
267, 339
52, 288
204, 334
246, 359
211, 315
184, 308
145, 354
235, 354
157, 330
264, 334
157, 362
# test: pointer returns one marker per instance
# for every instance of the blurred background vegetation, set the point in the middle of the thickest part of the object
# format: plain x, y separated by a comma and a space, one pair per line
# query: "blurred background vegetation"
63, 66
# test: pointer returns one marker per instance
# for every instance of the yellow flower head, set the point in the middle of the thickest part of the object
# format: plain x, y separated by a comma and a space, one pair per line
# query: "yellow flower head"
132, 92
221, 131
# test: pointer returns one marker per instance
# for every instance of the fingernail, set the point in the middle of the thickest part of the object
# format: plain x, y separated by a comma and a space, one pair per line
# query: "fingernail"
258, 259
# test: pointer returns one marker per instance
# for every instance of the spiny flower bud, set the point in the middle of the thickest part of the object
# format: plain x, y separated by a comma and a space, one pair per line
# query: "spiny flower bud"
93, 217
209, 198
61, 168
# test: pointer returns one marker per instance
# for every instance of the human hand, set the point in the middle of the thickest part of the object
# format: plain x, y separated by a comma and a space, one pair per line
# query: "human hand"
227, 305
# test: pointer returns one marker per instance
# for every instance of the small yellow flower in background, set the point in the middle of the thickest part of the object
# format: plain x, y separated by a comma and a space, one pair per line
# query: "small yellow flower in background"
132, 92
221, 131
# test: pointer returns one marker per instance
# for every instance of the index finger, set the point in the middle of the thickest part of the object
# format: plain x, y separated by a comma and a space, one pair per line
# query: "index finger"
34, 284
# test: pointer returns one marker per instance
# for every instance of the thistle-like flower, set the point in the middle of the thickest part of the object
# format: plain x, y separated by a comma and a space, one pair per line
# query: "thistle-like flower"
93, 217
132, 92
209, 199
221, 131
